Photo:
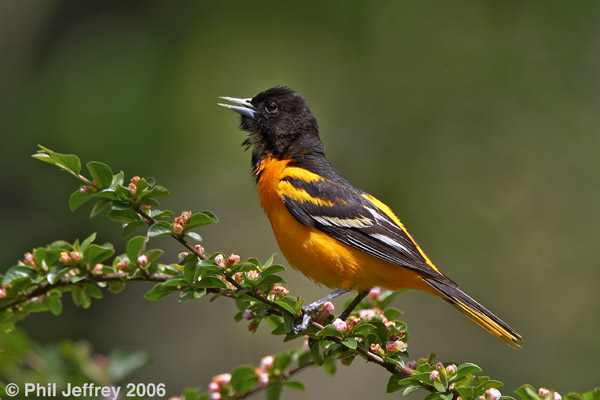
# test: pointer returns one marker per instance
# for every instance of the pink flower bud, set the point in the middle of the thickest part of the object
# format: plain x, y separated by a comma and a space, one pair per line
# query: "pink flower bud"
396, 346
253, 274
248, 314
181, 256
493, 394
375, 292
434, 375
132, 188
329, 307
122, 265
177, 228
98, 268
263, 379
185, 215
238, 277
543, 392
142, 260
266, 363
2, 293
75, 256
29, 259
199, 249
220, 260
439, 366
65, 258
222, 379
353, 321
215, 396
481, 397
412, 364
213, 387
451, 369
84, 189
376, 348
232, 259
557, 396
340, 325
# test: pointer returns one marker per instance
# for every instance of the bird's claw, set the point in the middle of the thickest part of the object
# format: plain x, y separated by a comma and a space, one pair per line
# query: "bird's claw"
301, 323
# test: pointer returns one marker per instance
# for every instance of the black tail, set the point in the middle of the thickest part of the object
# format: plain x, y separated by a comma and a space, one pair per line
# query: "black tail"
478, 313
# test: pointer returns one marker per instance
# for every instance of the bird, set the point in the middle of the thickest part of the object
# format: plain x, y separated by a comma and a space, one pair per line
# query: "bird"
334, 233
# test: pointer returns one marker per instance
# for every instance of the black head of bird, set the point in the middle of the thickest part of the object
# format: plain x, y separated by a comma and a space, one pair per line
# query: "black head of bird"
278, 121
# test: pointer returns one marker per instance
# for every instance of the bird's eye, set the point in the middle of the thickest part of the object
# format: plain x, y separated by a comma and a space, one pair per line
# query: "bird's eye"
271, 107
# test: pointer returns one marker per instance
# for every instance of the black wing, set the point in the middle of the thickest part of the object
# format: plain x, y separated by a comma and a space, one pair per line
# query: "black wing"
358, 220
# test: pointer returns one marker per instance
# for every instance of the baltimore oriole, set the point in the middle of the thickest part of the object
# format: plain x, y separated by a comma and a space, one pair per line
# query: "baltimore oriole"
331, 231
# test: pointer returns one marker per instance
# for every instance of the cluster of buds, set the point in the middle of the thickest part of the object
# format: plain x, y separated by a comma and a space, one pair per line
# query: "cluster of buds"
278, 292
324, 313
262, 372
181, 221
132, 185
352, 321
412, 364
396, 346
232, 260
369, 313
219, 381
67, 258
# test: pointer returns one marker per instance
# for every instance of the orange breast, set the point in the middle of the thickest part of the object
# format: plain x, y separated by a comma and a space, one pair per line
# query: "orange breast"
318, 255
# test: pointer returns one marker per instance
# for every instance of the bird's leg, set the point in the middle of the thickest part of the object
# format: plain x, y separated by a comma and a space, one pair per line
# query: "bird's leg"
302, 322
346, 313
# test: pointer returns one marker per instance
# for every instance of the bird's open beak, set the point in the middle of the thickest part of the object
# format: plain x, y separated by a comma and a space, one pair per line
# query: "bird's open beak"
248, 109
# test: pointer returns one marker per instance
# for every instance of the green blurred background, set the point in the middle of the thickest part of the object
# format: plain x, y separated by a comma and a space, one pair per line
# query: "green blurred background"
477, 122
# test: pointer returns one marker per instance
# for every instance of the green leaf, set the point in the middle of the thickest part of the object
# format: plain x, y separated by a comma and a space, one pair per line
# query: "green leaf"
351, 343
153, 254
189, 272
77, 199
130, 228
411, 388
123, 215
243, 378
135, 247
396, 383
465, 369
203, 218
56, 273
161, 214
106, 193
101, 173
211, 282
99, 207
68, 161
159, 291
328, 330
161, 228
95, 254
116, 287
592, 394
466, 392
286, 307
273, 269
18, 273
295, 384
80, 298
93, 290
194, 236
527, 392
330, 365
392, 313
274, 391
84, 245
281, 361
156, 191
317, 354
54, 304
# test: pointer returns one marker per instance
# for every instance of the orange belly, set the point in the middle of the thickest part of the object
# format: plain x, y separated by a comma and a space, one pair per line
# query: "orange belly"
318, 255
